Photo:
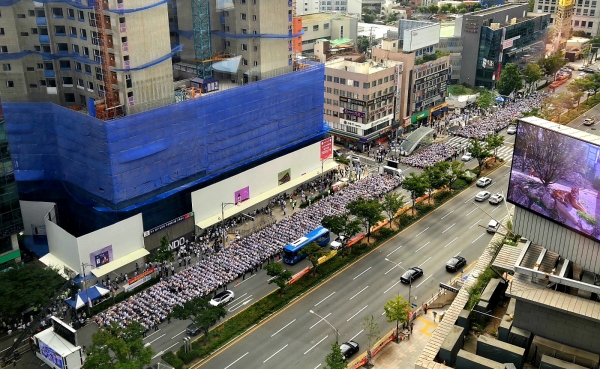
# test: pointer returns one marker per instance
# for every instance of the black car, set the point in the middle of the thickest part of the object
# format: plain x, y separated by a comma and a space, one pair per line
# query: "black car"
411, 274
192, 330
455, 263
348, 349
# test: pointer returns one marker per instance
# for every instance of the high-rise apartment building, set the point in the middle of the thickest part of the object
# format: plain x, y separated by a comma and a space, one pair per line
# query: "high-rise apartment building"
344, 6
585, 14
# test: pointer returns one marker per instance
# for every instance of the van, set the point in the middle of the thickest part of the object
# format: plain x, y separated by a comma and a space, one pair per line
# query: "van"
492, 226
389, 170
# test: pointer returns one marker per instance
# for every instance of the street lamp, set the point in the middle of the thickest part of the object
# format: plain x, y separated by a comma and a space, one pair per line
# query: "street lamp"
410, 282
224, 233
337, 333
87, 298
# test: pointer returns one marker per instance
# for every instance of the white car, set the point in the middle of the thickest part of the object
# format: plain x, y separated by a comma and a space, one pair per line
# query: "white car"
484, 182
337, 244
588, 121
466, 157
482, 195
222, 298
496, 199
511, 130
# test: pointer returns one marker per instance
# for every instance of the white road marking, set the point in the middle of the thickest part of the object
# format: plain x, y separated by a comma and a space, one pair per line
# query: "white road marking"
449, 228
428, 242
150, 335
418, 234
395, 266
394, 285
159, 337
241, 304
469, 213
362, 330
394, 251
455, 238
454, 256
307, 351
320, 320
358, 312
283, 327
331, 294
177, 334
237, 360
496, 208
424, 281
170, 347
447, 214
238, 299
478, 238
477, 222
275, 353
358, 292
471, 198
252, 276
318, 366
361, 273
424, 262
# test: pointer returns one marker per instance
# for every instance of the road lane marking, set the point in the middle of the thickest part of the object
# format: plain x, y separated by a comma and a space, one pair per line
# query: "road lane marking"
469, 213
177, 334
447, 214
240, 299
281, 349
477, 222
394, 285
395, 266
496, 208
358, 292
252, 276
423, 246
325, 317
331, 294
159, 337
424, 281
318, 366
245, 302
424, 262
307, 351
237, 360
477, 238
449, 228
455, 238
361, 273
418, 234
394, 251
358, 312
150, 335
283, 327
454, 256
471, 198
170, 347
362, 330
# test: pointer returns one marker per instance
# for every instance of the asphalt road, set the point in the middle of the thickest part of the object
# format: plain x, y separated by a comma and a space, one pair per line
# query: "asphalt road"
295, 338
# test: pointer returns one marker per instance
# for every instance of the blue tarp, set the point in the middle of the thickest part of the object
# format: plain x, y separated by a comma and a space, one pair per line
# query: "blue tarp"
81, 299
79, 5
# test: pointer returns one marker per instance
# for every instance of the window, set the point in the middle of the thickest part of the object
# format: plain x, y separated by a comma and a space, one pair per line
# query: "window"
83, 34
244, 62
70, 98
88, 69
57, 13
255, 48
583, 23
244, 31
90, 85
342, 81
244, 47
24, 34
80, 16
41, 13
73, 31
1, 31
254, 17
255, 63
242, 1
86, 51
51, 82
75, 49
326, 26
40, 66
78, 66
67, 81
6, 67
43, 82
64, 64
128, 80
243, 16
80, 83
33, 85
71, 13
328, 78
10, 84
316, 27
31, 13
30, 69
34, 31
590, 24
3, 49
21, 16
60, 30
62, 47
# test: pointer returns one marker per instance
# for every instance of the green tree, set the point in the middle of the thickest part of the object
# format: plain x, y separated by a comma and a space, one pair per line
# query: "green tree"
363, 44
510, 79
579, 34
480, 152
530, 5
372, 331
462, 8
200, 312
342, 226
27, 285
397, 310
368, 18
485, 100
392, 17
118, 348
493, 142
417, 185
552, 63
435, 179
313, 252
578, 88
452, 171
433, 9
163, 251
282, 276
532, 74
446, 8
334, 359
368, 211
392, 202
422, 9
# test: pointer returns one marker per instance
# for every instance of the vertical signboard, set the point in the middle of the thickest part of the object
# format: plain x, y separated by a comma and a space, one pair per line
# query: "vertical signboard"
101, 257
242, 195
284, 176
327, 148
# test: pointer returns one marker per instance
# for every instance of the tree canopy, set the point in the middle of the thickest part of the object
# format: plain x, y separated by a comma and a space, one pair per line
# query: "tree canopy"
368, 211
363, 44
552, 63
200, 312
485, 99
532, 74
313, 252
416, 184
397, 310
479, 151
392, 202
493, 142
163, 251
334, 359
510, 79
281, 276
342, 226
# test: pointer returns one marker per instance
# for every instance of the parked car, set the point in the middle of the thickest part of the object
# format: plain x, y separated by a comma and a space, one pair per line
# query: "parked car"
482, 195
411, 274
466, 157
496, 199
484, 182
588, 121
511, 130
348, 349
222, 298
193, 330
337, 244
492, 226
455, 263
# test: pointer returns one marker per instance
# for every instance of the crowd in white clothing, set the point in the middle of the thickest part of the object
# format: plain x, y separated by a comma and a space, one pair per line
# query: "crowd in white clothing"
429, 155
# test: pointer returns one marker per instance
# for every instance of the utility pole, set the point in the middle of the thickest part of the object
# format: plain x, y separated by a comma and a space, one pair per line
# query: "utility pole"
87, 298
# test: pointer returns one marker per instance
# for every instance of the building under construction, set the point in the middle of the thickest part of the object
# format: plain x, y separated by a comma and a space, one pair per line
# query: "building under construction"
118, 107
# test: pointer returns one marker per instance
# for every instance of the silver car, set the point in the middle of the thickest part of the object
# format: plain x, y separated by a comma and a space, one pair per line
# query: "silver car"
482, 195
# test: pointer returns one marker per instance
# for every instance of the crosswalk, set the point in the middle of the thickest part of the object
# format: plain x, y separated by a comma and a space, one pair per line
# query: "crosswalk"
504, 152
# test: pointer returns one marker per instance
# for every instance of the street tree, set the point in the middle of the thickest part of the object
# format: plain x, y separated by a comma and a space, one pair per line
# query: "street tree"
27, 285
115, 347
368, 211
435, 179
392, 202
392, 17
479, 151
342, 226
163, 251
433, 9
363, 44
368, 18
372, 331
397, 310
452, 171
462, 8
532, 74
334, 359
446, 8
313, 252
582, 85
201, 313
530, 5
552, 63
417, 185
485, 100
282, 276
510, 79
493, 142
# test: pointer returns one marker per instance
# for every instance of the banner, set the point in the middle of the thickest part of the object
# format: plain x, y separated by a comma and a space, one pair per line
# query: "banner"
139, 279
168, 224
284, 176
242, 195
101, 257
327, 148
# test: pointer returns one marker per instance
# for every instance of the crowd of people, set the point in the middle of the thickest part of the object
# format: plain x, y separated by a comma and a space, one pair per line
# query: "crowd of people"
215, 269
429, 155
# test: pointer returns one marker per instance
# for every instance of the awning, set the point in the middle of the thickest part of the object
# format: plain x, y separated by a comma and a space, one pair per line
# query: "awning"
10, 256
93, 293
421, 115
54, 262
120, 262
436, 113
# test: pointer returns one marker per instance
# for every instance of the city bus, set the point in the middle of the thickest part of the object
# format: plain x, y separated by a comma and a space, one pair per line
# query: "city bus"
292, 252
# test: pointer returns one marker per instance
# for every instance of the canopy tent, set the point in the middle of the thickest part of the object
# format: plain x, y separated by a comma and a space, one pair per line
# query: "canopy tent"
499, 99
93, 293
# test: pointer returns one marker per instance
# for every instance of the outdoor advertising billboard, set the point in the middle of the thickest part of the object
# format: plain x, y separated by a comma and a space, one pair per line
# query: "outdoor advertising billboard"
101, 257
418, 38
557, 177
51, 355
242, 195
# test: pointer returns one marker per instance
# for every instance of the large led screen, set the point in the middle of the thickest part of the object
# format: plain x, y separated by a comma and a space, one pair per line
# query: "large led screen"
51, 355
557, 177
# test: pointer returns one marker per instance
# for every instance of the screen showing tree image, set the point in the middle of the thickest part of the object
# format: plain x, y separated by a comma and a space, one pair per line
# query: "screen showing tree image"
557, 177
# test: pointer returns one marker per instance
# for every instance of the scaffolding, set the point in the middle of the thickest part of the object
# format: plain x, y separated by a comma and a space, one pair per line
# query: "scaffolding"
202, 45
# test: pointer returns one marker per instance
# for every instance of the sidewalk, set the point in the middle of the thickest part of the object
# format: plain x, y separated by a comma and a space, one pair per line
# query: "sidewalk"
406, 353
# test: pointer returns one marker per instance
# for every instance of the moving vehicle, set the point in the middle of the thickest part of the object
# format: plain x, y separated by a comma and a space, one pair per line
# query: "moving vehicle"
456, 263
338, 243
588, 121
292, 253
222, 298
484, 182
192, 330
348, 349
492, 226
496, 199
482, 195
511, 130
466, 157
391, 171
411, 274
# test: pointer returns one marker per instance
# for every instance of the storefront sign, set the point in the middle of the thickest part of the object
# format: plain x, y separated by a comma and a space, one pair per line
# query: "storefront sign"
448, 288
139, 279
420, 115
327, 148
380, 99
352, 101
358, 114
168, 224
284, 176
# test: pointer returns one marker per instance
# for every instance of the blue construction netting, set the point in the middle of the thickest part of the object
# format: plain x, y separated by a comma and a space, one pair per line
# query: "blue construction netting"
48, 56
122, 159
189, 34
90, 5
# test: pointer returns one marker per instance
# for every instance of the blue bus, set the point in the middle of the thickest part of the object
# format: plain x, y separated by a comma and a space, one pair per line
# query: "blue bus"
292, 252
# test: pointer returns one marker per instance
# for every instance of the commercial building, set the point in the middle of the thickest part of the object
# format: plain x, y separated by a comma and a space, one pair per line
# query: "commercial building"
499, 35
359, 101
180, 96
325, 26
345, 6
585, 17
451, 42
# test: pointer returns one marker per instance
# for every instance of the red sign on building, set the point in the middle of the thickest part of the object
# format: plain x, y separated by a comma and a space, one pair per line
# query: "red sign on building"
327, 148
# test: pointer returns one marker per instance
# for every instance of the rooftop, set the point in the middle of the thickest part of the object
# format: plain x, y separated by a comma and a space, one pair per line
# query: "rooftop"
320, 17
496, 9
367, 67
447, 29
